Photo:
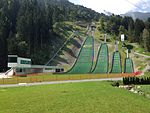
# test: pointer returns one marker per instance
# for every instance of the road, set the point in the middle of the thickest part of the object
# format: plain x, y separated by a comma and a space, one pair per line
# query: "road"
58, 82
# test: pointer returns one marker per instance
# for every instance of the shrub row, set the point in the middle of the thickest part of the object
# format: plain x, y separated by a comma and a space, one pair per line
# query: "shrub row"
136, 80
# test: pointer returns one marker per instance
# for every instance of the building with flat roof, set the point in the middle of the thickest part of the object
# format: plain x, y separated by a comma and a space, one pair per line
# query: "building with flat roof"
22, 65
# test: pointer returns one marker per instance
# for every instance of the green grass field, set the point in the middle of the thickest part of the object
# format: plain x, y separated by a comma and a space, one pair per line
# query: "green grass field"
145, 89
89, 97
140, 49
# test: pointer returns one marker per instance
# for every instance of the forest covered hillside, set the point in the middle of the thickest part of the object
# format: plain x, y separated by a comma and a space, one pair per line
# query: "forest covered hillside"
27, 27
37, 28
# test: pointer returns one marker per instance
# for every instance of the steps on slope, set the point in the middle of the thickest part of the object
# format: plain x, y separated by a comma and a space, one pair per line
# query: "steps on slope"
102, 60
116, 63
128, 68
84, 61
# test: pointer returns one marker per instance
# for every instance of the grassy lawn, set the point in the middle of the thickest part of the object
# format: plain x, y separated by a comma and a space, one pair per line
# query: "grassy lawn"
140, 49
98, 36
146, 89
147, 74
89, 97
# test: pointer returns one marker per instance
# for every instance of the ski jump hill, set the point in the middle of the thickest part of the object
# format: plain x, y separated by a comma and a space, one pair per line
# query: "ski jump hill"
84, 61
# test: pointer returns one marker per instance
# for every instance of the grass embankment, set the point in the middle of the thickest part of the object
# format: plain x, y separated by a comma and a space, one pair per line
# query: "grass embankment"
145, 89
139, 49
140, 62
57, 77
74, 35
89, 97
147, 74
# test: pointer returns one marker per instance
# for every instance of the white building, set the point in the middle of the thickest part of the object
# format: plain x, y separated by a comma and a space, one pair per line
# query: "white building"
23, 66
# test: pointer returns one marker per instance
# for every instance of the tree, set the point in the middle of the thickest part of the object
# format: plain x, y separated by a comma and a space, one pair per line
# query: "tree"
147, 24
131, 30
4, 33
126, 21
122, 30
139, 27
26, 26
102, 25
146, 40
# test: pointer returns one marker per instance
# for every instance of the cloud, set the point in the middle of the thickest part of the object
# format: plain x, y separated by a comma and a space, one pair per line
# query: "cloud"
144, 6
75, 1
114, 6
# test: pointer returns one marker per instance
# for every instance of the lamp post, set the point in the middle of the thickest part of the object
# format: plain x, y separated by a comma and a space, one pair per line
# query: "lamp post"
105, 38
122, 40
116, 45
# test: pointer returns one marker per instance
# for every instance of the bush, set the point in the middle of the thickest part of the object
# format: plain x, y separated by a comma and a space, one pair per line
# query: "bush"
136, 80
116, 83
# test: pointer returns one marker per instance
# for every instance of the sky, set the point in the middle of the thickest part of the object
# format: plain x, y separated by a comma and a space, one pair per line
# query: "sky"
115, 6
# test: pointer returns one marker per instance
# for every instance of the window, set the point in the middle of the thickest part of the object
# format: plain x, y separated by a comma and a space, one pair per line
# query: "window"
12, 59
49, 69
19, 70
25, 62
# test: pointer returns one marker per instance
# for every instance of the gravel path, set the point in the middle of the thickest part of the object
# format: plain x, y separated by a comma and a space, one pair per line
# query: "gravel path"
58, 82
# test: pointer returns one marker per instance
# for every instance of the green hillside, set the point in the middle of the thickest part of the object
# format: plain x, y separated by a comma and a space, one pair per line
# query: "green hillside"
30, 28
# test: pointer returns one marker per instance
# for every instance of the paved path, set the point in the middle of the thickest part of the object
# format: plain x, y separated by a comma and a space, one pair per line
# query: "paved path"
58, 82
146, 56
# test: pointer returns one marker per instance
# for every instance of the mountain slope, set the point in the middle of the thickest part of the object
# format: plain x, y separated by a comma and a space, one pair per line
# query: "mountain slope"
139, 15
27, 27
72, 11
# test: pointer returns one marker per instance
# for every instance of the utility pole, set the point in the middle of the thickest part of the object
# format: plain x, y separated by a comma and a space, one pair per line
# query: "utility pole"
127, 53
116, 46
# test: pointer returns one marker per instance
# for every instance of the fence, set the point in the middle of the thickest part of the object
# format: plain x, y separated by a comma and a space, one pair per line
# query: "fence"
57, 77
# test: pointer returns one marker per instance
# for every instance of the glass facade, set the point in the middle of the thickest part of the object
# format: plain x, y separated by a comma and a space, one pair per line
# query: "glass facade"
12, 59
25, 62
